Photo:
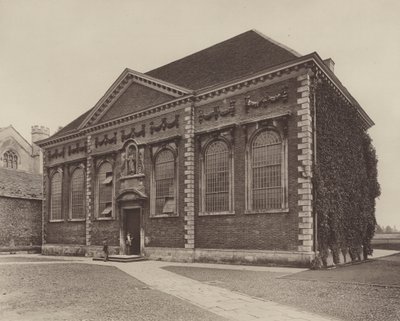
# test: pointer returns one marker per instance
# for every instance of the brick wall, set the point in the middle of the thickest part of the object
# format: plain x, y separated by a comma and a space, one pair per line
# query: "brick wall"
165, 231
66, 232
269, 231
20, 220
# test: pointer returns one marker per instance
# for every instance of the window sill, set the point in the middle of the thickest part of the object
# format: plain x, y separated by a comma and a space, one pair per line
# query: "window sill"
104, 219
56, 221
275, 211
216, 213
163, 215
76, 220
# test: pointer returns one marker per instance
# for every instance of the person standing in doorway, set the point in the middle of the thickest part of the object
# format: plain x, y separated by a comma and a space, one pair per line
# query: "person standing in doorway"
128, 243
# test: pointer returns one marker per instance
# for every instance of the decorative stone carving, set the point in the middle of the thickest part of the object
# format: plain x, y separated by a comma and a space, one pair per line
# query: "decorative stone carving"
56, 153
106, 141
133, 133
164, 125
267, 100
131, 160
77, 149
217, 112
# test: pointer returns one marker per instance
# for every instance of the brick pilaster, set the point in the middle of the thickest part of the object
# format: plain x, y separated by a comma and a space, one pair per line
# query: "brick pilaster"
305, 162
89, 192
189, 177
45, 197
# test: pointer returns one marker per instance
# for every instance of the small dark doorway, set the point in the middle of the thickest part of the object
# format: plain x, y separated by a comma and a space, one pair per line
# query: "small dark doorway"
132, 226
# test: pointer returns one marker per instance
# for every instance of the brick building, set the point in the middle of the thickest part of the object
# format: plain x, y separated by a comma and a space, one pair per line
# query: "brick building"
208, 158
20, 189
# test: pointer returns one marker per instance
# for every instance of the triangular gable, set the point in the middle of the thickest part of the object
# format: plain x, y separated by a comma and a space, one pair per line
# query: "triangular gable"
122, 92
11, 133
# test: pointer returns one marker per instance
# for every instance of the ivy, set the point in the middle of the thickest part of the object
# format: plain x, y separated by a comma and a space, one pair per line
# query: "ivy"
345, 180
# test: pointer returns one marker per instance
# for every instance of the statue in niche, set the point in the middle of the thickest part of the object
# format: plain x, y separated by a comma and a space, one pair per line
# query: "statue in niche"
131, 161
131, 156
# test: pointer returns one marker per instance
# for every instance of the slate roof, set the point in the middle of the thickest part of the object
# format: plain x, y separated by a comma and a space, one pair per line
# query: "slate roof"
239, 56
19, 184
72, 125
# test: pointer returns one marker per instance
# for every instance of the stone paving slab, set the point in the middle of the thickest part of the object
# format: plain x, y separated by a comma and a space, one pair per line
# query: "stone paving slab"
231, 305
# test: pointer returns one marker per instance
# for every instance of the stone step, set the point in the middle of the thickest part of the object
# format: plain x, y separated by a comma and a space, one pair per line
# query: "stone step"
122, 258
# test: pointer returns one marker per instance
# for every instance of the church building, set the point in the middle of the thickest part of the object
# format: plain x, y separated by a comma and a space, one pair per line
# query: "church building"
209, 158
21, 190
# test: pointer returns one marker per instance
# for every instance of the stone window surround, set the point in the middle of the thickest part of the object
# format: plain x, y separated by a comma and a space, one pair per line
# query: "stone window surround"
156, 150
72, 171
205, 144
98, 164
51, 176
284, 169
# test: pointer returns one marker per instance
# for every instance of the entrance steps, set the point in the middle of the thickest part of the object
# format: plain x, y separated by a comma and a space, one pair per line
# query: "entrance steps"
122, 258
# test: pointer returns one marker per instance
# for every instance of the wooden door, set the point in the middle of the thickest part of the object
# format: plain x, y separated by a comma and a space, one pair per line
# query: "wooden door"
132, 226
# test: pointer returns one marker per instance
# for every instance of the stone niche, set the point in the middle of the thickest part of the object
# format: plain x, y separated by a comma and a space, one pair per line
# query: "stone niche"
132, 167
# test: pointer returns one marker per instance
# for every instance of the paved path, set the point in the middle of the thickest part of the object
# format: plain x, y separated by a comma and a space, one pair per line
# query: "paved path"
231, 305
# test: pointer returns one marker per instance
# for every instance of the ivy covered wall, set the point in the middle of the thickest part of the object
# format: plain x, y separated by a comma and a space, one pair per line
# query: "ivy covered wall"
345, 180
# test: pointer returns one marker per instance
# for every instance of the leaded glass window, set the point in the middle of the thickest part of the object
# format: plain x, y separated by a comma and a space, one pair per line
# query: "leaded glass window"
216, 177
77, 194
10, 160
105, 190
56, 197
266, 167
164, 178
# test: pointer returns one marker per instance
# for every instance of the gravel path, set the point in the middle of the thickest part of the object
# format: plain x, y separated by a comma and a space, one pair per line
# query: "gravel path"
341, 300
76, 291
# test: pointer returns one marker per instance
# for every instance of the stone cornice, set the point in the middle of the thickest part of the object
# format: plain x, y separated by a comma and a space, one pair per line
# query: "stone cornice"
117, 121
309, 62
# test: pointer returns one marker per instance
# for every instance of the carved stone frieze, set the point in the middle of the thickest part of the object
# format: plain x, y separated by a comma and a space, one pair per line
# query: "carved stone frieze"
164, 125
267, 100
133, 133
217, 112
106, 140
78, 148
56, 153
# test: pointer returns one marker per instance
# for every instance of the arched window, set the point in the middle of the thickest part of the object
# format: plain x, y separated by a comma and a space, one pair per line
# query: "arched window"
10, 160
77, 197
164, 183
105, 190
56, 197
216, 178
266, 171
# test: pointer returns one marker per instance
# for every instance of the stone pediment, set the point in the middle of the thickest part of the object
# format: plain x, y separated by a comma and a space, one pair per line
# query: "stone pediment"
131, 194
132, 92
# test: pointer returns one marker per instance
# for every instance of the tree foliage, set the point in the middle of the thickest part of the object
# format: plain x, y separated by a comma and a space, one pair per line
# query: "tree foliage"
346, 183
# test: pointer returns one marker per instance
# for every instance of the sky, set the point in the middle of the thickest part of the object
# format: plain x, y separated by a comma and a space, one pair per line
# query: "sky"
57, 58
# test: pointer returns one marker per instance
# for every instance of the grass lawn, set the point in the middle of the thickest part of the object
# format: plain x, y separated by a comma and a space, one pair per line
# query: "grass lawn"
76, 291
340, 299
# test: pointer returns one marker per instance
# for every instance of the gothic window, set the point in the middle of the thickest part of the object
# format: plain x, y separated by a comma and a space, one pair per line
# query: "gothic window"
164, 183
104, 190
266, 167
56, 197
217, 177
77, 196
10, 160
